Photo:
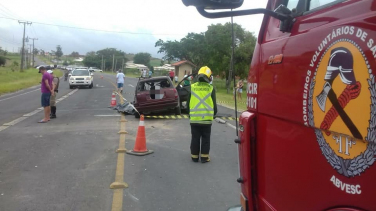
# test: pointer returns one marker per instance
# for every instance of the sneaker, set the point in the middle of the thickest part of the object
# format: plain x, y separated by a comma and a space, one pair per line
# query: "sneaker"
53, 116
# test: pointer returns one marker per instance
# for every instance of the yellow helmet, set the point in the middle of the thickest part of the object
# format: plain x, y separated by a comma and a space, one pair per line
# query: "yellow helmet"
205, 70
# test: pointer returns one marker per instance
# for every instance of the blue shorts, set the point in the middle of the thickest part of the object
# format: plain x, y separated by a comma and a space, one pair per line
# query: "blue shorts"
120, 85
45, 99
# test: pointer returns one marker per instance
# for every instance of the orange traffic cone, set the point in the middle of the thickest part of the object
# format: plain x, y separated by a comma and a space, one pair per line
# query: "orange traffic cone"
113, 100
140, 145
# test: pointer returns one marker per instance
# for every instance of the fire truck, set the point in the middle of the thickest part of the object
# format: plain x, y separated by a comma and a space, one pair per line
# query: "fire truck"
308, 138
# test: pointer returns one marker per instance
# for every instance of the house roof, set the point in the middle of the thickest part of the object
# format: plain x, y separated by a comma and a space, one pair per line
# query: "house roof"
183, 62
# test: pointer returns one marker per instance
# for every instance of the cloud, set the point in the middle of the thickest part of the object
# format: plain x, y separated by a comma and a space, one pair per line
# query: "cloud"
167, 20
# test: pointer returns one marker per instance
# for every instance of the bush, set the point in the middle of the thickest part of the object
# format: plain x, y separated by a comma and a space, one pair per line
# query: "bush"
2, 61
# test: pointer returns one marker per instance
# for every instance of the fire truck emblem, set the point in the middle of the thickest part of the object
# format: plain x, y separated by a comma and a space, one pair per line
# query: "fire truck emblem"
342, 108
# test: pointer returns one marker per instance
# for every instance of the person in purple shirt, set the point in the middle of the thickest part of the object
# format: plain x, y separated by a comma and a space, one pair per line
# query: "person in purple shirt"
47, 90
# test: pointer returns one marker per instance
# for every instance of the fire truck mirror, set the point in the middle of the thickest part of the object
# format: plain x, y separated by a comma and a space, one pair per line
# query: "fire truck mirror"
214, 4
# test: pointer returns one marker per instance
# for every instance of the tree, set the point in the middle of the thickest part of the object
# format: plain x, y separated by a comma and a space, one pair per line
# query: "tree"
94, 59
74, 54
65, 63
213, 48
59, 52
35, 51
162, 62
42, 52
142, 58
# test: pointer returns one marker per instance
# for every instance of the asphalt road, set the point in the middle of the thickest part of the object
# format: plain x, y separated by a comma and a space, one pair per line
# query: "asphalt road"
70, 162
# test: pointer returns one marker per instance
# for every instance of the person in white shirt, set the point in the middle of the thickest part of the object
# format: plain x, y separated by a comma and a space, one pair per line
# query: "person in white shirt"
120, 81
144, 73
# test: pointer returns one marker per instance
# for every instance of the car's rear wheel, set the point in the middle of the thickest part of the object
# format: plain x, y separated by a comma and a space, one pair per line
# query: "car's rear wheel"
136, 115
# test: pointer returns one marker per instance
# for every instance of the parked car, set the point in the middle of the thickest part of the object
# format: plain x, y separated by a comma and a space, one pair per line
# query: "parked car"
156, 94
94, 69
80, 78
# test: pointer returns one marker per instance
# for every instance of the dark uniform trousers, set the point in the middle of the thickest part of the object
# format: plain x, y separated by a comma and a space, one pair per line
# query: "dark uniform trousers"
200, 132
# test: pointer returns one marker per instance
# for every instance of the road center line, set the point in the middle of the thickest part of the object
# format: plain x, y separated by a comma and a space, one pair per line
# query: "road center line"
130, 85
19, 95
117, 199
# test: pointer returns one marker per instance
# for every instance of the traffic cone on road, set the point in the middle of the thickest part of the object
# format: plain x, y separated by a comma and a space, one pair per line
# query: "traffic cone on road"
140, 144
113, 100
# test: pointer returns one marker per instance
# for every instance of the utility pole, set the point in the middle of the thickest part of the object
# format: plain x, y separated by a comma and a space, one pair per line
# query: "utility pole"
102, 64
115, 64
23, 42
33, 48
113, 61
122, 65
30, 55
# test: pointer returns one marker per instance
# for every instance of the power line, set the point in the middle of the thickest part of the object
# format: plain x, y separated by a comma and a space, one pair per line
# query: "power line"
6, 14
90, 29
10, 12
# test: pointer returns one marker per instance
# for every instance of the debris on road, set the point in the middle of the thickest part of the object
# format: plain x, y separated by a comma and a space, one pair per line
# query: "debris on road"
220, 120
126, 108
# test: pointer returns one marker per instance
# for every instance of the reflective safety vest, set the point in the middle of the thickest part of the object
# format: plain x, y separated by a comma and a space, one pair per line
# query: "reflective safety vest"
201, 107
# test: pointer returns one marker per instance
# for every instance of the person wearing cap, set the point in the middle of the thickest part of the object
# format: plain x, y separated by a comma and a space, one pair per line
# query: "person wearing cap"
47, 91
202, 108
55, 85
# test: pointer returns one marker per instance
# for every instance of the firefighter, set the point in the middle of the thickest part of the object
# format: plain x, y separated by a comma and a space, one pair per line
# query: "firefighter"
202, 108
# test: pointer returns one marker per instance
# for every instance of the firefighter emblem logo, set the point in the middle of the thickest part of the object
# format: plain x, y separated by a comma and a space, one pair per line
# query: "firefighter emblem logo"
342, 108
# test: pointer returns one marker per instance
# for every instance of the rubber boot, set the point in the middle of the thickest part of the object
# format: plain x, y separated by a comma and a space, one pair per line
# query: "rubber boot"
205, 159
53, 112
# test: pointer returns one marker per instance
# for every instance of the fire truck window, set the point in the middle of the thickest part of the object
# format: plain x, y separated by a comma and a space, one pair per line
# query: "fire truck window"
317, 3
292, 4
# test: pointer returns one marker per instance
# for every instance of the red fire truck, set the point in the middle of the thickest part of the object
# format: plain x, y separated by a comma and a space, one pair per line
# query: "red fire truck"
308, 138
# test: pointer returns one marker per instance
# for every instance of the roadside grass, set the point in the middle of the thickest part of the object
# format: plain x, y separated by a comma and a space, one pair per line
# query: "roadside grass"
44, 59
228, 99
13, 81
155, 62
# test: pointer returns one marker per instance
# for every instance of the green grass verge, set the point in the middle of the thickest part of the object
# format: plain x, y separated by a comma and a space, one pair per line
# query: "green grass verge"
44, 59
13, 81
228, 99
155, 62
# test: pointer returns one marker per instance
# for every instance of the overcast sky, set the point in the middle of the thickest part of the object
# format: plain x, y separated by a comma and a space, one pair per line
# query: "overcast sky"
157, 19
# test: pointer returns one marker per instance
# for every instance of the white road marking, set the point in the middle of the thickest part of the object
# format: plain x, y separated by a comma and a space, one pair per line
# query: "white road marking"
230, 125
32, 113
3, 127
130, 85
18, 95
25, 116
19, 119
